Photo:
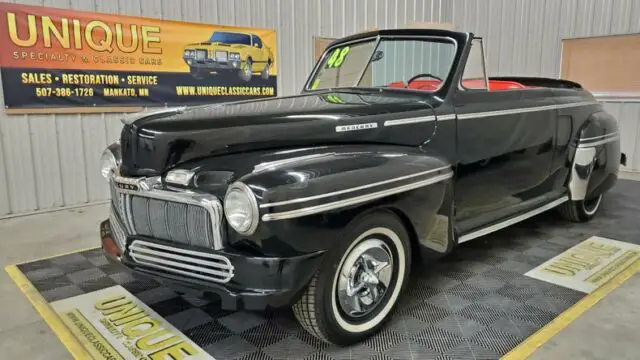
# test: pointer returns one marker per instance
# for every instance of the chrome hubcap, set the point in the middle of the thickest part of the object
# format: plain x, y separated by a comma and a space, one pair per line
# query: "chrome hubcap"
590, 206
364, 277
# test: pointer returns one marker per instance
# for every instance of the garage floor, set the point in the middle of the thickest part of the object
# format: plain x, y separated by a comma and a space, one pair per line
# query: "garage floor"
476, 303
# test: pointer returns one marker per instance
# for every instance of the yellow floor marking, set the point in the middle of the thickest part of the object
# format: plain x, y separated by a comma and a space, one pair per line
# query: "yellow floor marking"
53, 320
57, 255
522, 351
540, 337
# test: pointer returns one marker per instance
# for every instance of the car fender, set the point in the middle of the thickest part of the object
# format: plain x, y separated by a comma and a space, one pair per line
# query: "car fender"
332, 185
596, 159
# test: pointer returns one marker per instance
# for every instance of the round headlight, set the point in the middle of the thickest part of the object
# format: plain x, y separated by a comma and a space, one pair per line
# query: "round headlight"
241, 208
108, 163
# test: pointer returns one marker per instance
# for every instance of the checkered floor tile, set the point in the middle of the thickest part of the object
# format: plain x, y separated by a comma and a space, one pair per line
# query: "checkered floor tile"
474, 304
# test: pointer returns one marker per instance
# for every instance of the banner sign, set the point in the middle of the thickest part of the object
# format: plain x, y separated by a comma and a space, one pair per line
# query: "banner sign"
65, 58
112, 324
588, 265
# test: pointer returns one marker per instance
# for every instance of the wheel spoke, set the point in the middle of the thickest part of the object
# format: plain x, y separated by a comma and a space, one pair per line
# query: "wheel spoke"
355, 304
384, 274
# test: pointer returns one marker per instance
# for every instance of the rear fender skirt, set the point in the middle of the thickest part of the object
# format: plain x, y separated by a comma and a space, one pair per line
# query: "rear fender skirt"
596, 158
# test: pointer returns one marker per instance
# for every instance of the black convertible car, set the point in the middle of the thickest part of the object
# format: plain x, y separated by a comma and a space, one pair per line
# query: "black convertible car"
398, 149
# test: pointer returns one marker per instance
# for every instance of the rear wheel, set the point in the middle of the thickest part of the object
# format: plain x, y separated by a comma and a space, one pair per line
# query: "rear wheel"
265, 72
581, 211
357, 287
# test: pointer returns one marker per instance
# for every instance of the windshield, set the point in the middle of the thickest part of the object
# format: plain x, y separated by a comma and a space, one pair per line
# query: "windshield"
230, 38
418, 64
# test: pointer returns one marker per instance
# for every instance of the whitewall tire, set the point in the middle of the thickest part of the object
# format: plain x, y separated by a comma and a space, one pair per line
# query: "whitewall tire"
581, 211
355, 290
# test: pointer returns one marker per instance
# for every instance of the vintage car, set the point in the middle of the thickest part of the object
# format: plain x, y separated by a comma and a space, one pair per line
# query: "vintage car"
226, 51
398, 150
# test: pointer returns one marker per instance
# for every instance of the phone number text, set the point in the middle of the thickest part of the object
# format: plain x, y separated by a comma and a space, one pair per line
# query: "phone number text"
63, 92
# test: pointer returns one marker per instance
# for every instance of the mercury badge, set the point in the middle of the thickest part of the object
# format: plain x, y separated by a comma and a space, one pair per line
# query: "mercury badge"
142, 184
355, 127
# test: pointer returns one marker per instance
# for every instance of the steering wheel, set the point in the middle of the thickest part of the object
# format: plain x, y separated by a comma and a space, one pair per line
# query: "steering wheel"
422, 75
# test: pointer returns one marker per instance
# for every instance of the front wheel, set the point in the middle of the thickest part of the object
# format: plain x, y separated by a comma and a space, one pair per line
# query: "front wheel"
246, 70
580, 211
356, 288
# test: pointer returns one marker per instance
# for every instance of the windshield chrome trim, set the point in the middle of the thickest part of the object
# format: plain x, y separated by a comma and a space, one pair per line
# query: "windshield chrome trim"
373, 53
378, 39
324, 55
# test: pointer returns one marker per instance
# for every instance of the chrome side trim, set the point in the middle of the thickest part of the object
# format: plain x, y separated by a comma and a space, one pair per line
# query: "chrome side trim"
446, 117
355, 200
511, 221
414, 120
315, 197
599, 137
524, 110
201, 265
614, 137
271, 165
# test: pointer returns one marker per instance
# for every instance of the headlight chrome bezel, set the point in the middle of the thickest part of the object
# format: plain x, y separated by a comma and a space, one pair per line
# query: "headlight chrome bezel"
239, 187
110, 160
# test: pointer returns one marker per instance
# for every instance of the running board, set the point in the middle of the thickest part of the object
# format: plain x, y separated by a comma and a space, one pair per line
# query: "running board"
511, 221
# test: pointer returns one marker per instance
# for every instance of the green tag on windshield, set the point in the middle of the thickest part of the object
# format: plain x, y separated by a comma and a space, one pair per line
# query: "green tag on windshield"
337, 57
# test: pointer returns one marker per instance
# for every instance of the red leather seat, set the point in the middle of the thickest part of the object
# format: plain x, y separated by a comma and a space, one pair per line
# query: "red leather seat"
432, 85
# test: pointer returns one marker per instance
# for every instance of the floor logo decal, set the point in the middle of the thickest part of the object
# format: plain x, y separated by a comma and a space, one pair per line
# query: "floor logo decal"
113, 324
587, 265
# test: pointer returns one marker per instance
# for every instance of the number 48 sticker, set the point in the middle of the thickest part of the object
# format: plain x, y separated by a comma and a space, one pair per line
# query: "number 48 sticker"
337, 57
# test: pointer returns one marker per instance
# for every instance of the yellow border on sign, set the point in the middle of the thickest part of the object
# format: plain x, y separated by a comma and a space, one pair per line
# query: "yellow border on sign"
540, 337
50, 317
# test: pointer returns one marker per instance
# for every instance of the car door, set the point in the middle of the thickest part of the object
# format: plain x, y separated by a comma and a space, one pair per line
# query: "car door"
504, 146
257, 51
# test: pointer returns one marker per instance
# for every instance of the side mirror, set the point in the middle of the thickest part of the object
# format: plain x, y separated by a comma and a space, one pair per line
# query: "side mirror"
379, 54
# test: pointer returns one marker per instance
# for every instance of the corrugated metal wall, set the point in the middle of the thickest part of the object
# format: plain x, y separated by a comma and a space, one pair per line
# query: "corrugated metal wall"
50, 161
523, 37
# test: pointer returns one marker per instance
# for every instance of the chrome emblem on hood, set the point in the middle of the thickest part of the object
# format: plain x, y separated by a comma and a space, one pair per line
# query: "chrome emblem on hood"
355, 127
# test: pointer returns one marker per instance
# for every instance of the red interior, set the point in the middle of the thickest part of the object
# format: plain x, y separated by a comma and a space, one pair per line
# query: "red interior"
432, 85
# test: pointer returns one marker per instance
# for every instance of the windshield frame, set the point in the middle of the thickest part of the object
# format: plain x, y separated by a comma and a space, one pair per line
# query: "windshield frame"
232, 33
378, 38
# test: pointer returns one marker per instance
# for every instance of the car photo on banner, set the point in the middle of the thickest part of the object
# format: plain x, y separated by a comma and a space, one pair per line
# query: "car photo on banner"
229, 52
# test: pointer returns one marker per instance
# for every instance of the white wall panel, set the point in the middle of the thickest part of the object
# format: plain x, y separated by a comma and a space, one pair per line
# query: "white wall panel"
49, 161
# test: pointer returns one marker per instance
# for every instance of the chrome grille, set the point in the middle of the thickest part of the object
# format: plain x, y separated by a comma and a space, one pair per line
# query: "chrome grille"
195, 264
179, 222
119, 235
183, 218
221, 56
201, 54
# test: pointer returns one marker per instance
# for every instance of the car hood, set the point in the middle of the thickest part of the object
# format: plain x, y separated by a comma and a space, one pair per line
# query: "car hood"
208, 43
155, 142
